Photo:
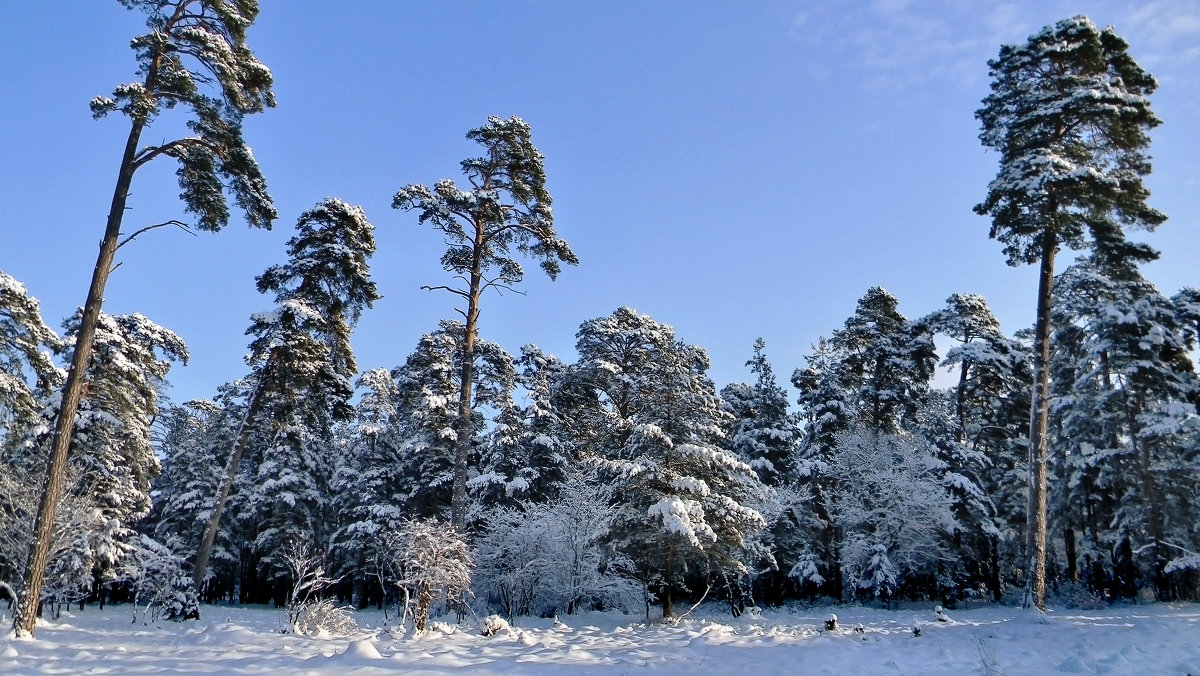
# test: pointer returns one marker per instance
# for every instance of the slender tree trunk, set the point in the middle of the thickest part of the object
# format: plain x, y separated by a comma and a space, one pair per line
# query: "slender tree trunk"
462, 443
1156, 523
1072, 555
1150, 494
64, 422
1035, 546
200, 570
994, 569
668, 600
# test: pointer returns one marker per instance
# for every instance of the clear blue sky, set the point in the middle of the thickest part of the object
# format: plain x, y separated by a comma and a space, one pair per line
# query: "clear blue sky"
735, 169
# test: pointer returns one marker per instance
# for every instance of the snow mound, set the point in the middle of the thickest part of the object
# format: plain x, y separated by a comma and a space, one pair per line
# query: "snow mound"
364, 649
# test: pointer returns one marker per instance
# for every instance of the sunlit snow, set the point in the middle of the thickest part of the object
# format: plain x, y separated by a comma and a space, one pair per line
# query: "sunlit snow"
1154, 639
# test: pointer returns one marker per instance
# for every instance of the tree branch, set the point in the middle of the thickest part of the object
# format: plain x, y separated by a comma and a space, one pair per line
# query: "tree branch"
457, 292
500, 287
151, 152
180, 224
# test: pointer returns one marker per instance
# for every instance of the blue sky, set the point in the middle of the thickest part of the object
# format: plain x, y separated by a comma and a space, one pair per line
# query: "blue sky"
735, 169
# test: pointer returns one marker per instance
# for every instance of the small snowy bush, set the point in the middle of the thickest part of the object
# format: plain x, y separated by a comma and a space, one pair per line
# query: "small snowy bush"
309, 614
157, 574
546, 558
322, 616
426, 559
494, 624
1076, 595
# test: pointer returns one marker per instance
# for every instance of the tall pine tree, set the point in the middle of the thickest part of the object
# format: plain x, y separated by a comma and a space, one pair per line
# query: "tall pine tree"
1069, 113
194, 57
507, 206
301, 355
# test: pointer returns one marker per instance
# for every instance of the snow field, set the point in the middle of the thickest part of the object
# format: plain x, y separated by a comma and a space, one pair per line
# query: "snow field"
1145, 640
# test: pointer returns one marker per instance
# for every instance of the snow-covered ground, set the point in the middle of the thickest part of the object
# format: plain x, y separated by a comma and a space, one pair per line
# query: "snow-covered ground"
1145, 640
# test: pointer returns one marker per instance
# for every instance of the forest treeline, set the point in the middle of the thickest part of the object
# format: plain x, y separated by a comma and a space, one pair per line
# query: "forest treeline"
1064, 458
627, 471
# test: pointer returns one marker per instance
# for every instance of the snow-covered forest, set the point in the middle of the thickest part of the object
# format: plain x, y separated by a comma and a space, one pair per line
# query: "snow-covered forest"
1059, 466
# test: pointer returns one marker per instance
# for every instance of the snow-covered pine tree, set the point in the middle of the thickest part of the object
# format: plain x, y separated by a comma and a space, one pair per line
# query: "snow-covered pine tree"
506, 207
425, 386
885, 361
328, 268
616, 365
302, 367
681, 514
979, 425
988, 363
503, 461
428, 386
112, 447
549, 457
367, 481
112, 461
26, 344
1124, 422
683, 504
764, 434
281, 443
1069, 113
193, 441
826, 412
525, 456
1187, 310
195, 57
872, 374
826, 409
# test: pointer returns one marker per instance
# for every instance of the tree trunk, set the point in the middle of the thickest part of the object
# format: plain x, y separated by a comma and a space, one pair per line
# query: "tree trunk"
1035, 545
994, 569
424, 600
462, 442
200, 570
64, 422
1150, 488
1072, 555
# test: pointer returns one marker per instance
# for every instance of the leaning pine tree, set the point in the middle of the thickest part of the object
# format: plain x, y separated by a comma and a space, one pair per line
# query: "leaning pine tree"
301, 354
507, 206
1069, 115
193, 46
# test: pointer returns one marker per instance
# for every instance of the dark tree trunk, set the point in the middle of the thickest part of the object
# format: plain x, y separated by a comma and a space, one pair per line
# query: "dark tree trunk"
235, 458
994, 569
1072, 556
64, 422
1150, 489
1038, 425
462, 443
